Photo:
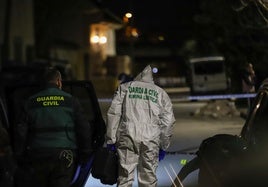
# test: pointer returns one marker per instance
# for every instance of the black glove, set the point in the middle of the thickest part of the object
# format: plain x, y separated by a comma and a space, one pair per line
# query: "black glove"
83, 157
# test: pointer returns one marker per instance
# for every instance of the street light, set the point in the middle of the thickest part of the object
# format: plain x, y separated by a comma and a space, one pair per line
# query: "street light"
126, 17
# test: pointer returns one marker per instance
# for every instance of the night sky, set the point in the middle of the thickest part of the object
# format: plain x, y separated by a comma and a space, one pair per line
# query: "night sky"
155, 16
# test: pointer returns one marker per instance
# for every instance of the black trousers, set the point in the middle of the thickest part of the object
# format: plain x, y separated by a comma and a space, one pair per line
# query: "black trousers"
55, 170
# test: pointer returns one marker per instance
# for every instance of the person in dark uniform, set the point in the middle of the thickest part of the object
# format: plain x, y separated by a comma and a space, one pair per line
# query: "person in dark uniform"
53, 134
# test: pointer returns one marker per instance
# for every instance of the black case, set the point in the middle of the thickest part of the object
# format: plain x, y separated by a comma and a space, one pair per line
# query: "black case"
105, 166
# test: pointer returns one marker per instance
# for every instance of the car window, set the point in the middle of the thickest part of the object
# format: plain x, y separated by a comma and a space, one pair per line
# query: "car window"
86, 101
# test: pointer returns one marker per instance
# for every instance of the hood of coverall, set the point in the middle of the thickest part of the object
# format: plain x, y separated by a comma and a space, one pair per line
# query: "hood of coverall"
146, 75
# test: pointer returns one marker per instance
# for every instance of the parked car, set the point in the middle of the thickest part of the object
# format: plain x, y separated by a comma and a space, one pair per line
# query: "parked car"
226, 160
207, 74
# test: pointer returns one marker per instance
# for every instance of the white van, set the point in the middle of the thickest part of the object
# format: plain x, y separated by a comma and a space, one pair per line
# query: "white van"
207, 75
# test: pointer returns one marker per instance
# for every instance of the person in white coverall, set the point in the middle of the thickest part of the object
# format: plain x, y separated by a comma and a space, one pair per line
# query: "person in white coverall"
140, 124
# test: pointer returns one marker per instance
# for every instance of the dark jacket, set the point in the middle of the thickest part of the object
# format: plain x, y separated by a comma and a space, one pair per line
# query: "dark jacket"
53, 120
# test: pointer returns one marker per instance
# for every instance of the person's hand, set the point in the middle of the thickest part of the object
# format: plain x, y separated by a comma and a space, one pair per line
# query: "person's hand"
111, 147
162, 154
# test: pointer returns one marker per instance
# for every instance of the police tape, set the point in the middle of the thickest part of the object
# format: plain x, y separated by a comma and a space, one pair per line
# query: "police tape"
105, 100
224, 96
198, 97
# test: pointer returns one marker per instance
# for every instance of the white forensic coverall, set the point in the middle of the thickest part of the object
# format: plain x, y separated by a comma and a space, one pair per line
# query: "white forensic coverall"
140, 121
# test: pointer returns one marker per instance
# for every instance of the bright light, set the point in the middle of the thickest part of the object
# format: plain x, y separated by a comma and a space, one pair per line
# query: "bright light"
128, 15
95, 39
155, 70
134, 32
103, 40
